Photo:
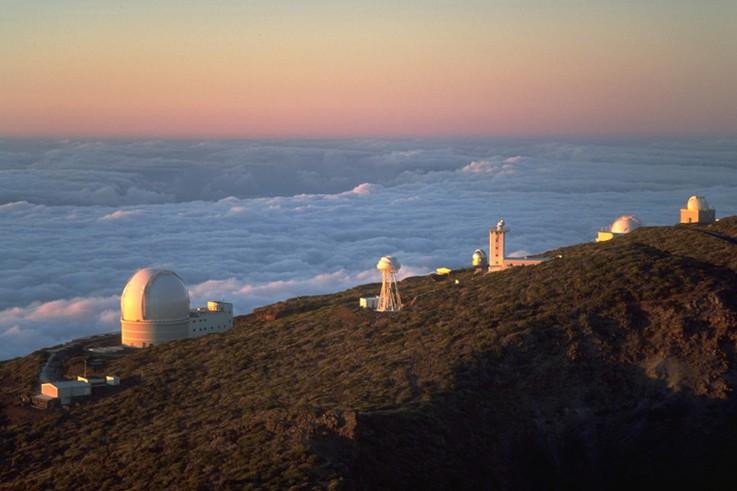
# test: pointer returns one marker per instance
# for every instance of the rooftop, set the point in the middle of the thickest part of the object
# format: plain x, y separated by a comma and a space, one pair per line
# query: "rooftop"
67, 383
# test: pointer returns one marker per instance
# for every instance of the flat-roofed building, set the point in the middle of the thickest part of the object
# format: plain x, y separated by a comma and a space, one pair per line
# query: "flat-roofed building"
216, 317
66, 390
93, 381
368, 302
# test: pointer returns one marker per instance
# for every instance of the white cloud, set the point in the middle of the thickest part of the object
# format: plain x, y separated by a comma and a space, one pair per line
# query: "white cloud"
247, 295
79, 218
120, 214
48, 323
365, 188
42, 324
496, 166
237, 210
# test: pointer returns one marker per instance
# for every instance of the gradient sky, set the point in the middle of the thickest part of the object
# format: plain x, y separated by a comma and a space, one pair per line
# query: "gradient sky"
348, 68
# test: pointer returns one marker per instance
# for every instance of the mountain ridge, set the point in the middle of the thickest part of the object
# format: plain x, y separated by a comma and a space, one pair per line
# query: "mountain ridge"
612, 364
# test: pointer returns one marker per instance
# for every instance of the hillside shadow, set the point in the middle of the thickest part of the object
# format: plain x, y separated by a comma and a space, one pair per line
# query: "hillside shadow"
574, 425
719, 236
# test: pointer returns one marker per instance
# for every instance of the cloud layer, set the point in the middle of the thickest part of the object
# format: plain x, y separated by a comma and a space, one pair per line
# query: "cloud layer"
255, 222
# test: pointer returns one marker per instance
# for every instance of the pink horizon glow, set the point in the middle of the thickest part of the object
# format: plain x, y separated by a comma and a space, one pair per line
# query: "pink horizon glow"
180, 72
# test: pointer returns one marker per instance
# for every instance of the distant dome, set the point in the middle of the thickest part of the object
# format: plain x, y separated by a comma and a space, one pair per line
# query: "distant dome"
697, 203
625, 224
154, 295
388, 263
478, 258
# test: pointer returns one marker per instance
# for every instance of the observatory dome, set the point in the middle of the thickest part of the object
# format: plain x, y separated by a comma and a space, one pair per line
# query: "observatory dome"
697, 203
388, 263
625, 224
478, 258
154, 295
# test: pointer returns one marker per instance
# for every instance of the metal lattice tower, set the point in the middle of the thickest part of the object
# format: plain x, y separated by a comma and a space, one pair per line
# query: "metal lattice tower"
389, 299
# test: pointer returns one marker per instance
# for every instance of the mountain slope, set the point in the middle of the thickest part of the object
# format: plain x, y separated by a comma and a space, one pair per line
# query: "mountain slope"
611, 364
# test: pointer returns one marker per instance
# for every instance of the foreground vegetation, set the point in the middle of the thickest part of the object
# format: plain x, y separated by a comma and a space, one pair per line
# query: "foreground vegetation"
611, 365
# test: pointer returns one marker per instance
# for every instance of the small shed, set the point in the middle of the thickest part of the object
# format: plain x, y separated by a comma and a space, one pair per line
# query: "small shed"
65, 390
368, 302
93, 381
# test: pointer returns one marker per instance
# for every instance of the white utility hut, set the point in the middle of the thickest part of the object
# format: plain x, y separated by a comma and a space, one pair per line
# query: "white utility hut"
66, 390
368, 302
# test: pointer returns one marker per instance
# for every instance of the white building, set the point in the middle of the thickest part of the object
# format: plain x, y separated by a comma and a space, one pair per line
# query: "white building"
622, 225
697, 210
65, 390
479, 260
154, 308
368, 302
216, 317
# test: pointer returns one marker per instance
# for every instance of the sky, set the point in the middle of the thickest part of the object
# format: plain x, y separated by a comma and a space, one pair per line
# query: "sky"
257, 221
319, 69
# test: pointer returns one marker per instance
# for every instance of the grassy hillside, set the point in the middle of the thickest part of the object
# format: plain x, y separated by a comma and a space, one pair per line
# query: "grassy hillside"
609, 365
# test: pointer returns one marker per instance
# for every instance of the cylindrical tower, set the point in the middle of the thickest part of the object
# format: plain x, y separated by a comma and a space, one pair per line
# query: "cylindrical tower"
154, 308
389, 300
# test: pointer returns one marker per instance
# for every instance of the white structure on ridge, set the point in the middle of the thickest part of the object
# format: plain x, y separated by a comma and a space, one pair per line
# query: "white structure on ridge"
369, 303
154, 308
697, 210
65, 390
389, 300
497, 251
478, 259
622, 225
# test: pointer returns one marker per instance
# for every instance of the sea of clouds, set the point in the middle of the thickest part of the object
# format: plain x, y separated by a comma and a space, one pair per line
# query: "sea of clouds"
253, 222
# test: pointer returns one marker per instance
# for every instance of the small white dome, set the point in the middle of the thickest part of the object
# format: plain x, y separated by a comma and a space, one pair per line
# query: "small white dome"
625, 224
155, 295
478, 258
697, 203
388, 263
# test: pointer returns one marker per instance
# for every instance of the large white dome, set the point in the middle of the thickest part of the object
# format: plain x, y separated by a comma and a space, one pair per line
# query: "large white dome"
625, 224
697, 203
154, 295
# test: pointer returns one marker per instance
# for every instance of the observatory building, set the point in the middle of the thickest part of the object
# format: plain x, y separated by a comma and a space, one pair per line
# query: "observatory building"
154, 308
497, 251
622, 225
697, 211
478, 259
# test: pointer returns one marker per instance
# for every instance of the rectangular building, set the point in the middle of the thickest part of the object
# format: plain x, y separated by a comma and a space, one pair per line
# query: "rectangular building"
368, 302
66, 390
216, 317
